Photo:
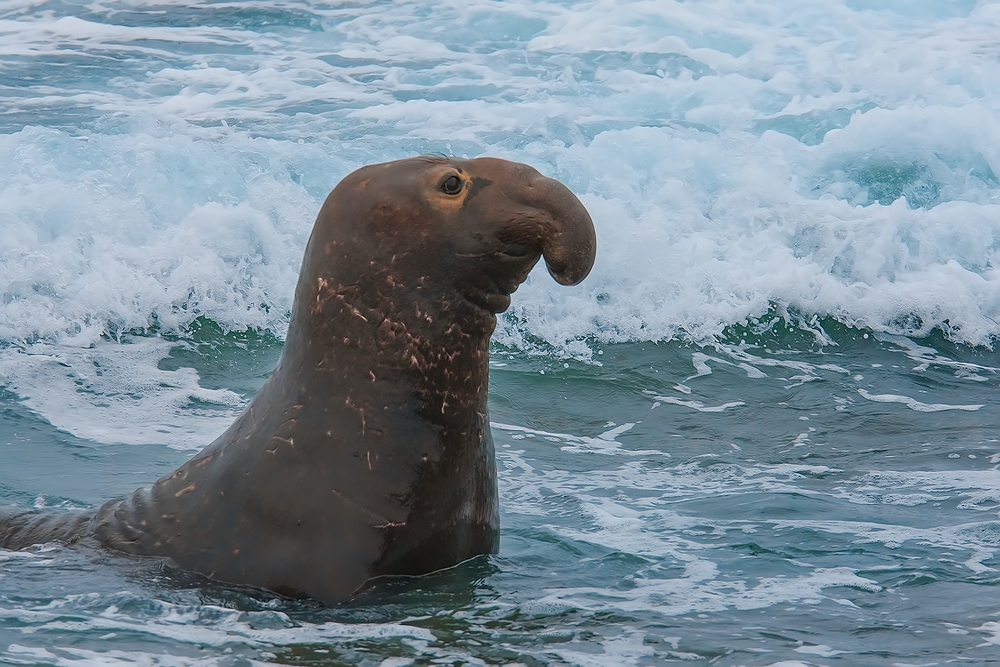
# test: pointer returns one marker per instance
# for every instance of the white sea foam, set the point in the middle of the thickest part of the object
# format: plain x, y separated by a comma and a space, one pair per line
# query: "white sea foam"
123, 232
114, 393
977, 489
198, 626
733, 158
992, 627
604, 443
927, 357
698, 405
822, 650
672, 597
17, 654
914, 404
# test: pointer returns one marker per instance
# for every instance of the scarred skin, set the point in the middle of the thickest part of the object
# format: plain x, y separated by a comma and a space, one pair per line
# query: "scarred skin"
368, 451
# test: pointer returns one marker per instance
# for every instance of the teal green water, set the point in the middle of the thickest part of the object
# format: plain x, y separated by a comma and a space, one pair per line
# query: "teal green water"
742, 505
761, 175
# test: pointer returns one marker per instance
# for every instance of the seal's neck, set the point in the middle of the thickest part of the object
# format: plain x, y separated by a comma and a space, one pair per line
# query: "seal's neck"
403, 370
424, 338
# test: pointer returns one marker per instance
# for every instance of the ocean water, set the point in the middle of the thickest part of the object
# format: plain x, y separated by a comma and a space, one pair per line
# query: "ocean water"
764, 431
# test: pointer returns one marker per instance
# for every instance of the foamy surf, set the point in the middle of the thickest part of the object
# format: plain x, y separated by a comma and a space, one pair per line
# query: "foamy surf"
186, 192
761, 432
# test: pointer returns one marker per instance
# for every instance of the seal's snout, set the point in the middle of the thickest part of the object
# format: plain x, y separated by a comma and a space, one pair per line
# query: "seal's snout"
570, 247
533, 215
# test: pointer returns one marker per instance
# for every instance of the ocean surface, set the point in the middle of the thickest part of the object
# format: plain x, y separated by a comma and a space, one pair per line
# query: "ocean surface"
764, 431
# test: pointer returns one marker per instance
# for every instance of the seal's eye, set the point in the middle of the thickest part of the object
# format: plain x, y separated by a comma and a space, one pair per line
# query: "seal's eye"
451, 185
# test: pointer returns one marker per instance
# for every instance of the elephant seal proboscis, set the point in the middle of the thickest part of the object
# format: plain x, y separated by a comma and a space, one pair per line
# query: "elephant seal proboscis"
368, 451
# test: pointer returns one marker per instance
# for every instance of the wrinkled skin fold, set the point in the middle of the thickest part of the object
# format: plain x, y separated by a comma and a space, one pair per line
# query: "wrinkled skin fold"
368, 451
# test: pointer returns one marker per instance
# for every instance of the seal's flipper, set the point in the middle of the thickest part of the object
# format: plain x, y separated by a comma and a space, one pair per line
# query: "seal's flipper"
23, 529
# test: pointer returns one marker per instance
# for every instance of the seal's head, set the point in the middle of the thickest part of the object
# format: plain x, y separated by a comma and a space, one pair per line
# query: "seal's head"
478, 226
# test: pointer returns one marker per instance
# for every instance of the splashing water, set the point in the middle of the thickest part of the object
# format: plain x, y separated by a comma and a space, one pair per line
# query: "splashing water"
761, 432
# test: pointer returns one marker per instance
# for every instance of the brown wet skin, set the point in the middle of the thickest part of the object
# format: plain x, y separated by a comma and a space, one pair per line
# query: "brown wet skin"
368, 451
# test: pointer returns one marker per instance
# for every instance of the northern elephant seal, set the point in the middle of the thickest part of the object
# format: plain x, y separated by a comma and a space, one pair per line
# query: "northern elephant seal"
368, 450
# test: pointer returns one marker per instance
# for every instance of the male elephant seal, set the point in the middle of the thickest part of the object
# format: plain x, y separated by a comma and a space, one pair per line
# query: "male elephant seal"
368, 450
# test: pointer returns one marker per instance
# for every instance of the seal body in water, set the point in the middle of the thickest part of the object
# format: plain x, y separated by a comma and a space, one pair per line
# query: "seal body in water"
368, 451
